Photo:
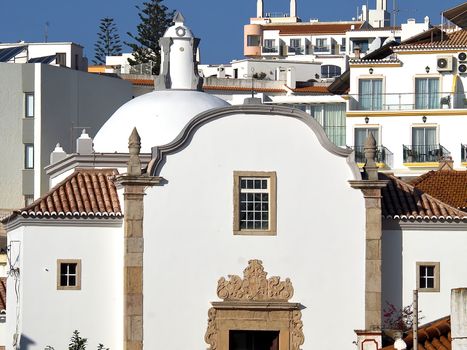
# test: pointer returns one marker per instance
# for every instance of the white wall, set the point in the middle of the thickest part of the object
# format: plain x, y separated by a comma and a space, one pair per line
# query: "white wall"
189, 242
49, 316
407, 247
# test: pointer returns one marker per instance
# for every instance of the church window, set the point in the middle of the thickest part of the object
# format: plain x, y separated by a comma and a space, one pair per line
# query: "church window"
428, 276
255, 203
68, 274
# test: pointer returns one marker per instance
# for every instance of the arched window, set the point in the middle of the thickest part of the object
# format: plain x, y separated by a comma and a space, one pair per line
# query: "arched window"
330, 71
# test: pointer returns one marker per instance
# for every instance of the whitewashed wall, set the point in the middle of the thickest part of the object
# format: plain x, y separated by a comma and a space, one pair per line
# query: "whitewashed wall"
49, 316
189, 242
402, 249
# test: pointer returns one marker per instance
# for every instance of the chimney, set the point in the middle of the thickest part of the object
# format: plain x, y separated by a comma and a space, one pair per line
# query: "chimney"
357, 52
221, 71
293, 8
381, 5
446, 164
84, 144
364, 16
291, 81
57, 155
259, 9
459, 319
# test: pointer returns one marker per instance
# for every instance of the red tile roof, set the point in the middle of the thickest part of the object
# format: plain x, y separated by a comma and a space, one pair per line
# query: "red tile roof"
403, 201
313, 28
456, 40
449, 186
432, 336
141, 82
313, 89
2, 293
240, 88
85, 193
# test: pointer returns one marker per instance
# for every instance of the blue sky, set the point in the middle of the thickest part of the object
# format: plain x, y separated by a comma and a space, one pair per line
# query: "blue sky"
219, 23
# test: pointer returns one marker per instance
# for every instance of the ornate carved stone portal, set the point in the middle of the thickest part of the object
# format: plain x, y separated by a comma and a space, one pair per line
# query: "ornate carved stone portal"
254, 303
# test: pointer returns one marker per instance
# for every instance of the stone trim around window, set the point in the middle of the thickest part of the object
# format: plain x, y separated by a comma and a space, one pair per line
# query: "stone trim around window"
77, 285
272, 229
436, 266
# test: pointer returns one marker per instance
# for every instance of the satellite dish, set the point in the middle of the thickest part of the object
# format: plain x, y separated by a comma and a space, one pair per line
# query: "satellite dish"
375, 45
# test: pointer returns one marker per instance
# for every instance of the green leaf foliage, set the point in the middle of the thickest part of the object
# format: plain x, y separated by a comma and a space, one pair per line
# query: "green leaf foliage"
155, 18
108, 41
77, 342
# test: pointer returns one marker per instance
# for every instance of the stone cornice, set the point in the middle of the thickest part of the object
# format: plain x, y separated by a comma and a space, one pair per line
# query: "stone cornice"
143, 180
160, 153
255, 305
368, 184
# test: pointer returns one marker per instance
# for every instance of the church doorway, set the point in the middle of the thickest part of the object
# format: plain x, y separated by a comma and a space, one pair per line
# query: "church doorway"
254, 340
255, 313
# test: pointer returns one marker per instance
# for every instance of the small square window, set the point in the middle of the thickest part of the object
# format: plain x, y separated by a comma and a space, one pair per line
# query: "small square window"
428, 276
68, 274
254, 203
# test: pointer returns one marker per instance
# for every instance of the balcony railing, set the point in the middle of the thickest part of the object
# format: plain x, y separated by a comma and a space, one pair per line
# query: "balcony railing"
424, 153
326, 48
270, 49
383, 155
407, 101
296, 50
463, 153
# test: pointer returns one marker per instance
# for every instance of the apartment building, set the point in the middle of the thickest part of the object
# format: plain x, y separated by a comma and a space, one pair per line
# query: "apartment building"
40, 105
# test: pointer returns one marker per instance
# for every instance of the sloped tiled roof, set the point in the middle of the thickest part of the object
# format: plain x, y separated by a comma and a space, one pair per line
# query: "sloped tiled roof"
449, 186
432, 336
313, 28
455, 40
403, 201
239, 88
85, 193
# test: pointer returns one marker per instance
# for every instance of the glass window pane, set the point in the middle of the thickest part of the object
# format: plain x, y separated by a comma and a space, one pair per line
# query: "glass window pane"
29, 105
63, 280
72, 269
72, 280
29, 156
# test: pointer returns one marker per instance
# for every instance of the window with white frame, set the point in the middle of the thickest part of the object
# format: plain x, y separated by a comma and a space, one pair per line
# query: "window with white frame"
29, 156
295, 42
370, 94
428, 276
69, 274
254, 202
321, 45
427, 94
29, 105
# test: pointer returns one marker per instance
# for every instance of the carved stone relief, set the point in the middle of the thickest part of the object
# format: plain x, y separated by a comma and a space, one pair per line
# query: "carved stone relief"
254, 302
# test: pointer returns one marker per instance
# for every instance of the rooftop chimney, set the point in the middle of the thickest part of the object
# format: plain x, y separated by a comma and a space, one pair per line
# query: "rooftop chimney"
57, 155
293, 8
446, 164
259, 9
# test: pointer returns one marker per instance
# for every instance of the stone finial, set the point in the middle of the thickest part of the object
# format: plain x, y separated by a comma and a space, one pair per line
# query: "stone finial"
178, 18
84, 144
134, 147
370, 149
57, 154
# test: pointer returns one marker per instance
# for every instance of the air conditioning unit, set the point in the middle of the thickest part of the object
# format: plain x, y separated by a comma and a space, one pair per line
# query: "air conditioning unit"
444, 63
462, 63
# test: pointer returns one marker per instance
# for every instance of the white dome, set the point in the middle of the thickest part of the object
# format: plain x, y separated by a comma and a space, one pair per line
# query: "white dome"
159, 117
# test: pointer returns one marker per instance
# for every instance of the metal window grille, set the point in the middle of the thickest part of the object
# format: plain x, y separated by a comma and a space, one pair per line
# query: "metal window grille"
427, 276
254, 203
68, 274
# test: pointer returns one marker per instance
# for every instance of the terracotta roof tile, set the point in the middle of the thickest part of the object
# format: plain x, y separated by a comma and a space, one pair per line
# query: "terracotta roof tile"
142, 82
2, 293
449, 186
239, 88
313, 89
403, 201
85, 193
432, 336
450, 40
313, 28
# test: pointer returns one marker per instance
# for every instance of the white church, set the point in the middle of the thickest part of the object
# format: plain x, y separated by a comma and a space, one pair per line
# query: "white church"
194, 224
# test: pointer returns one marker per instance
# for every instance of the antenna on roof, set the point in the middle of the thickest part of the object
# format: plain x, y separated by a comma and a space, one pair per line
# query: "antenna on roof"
46, 31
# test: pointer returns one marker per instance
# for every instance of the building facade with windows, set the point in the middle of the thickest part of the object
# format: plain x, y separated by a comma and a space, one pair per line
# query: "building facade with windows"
414, 103
248, 228
40, 106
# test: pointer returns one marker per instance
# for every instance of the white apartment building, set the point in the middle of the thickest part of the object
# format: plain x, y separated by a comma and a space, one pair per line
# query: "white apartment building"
286, 36
414, 102
63, 54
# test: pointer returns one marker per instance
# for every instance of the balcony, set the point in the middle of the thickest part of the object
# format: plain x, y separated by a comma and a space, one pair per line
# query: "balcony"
464, 153
322, 49
274, 50
297, 50
424, 153
384, 157
407, 101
